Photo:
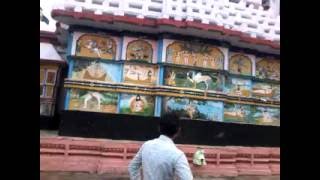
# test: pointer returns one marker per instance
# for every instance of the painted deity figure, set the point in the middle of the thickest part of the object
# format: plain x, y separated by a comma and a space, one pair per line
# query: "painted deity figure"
138, 104
93, 95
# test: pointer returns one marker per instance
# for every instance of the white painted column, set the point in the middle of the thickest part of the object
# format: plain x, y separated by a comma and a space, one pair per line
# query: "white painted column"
226, 59
165, 6
253, 60
275, 7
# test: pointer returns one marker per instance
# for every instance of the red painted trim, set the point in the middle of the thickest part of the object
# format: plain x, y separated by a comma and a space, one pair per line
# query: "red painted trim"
170, 22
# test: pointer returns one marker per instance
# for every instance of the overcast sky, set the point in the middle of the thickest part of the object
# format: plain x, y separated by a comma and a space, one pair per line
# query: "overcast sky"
46, 7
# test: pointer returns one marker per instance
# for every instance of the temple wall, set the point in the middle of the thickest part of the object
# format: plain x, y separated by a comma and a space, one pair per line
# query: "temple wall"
200, 81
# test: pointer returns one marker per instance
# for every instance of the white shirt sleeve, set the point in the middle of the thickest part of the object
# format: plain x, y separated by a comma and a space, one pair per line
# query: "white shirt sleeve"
182, 168
134, 166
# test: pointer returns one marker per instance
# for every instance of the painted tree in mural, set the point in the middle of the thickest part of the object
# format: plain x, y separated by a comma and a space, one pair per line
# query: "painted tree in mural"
43, 18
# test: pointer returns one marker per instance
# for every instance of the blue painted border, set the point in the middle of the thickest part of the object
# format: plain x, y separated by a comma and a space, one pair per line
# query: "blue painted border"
121, 72
160, 48
121, 47
158, 106
70, 67
118, 105
67, 100
160, 75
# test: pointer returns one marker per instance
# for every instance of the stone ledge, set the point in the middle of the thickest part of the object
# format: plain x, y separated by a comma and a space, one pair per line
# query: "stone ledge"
113, 156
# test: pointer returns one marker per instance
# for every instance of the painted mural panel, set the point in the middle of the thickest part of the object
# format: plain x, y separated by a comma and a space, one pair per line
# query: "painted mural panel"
188, 78
238, 113
238, 87
97, 46
265, 116
139, 50
96, 71
268, 69
194, 109
265, 90
86, 100
140, 74
195, 54
137, 104
240, 64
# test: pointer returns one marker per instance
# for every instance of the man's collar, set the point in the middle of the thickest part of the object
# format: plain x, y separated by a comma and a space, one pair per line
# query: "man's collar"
165, 138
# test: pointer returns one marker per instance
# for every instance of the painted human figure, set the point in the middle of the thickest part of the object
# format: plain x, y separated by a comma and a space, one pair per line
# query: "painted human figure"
92, 45
149, 74
109, 47
206, 58
193, 59
91, 95
177, 58
266, 117
240, 112
191, 110
185, 57
138, 106
238, 91
96, 70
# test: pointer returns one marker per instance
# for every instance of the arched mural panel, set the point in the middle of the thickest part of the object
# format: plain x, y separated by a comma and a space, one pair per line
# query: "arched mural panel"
96, 46
268, 69
139, 50
195, 54
240, 64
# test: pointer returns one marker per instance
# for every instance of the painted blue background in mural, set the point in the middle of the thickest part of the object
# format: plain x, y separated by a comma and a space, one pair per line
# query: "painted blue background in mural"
238, 86
194, 109
96, 70
266, 115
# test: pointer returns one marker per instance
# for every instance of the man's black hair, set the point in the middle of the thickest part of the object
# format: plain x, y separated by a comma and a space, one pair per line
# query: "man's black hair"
169, 124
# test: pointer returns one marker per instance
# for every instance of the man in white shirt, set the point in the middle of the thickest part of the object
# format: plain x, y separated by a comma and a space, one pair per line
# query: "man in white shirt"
159, 158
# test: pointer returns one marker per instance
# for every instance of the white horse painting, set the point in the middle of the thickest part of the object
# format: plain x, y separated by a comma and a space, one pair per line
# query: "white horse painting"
198, 78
